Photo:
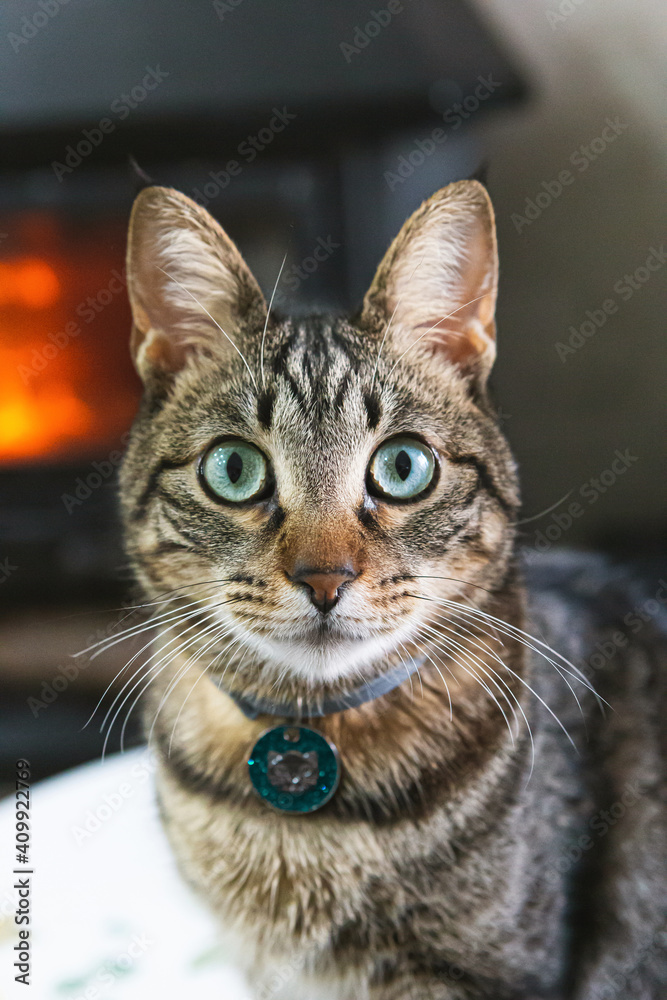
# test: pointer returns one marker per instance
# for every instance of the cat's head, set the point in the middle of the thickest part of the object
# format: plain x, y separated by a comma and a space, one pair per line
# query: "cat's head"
310, 487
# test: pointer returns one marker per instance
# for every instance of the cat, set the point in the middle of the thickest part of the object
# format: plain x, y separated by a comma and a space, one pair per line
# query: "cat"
325, 509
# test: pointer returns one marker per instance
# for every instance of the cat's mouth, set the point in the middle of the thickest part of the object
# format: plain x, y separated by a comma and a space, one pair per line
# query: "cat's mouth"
327, 650
323, 647
325, 628
327, 634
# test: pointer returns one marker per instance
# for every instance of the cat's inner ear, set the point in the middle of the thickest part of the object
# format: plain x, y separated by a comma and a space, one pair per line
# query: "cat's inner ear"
438, 281
188, 285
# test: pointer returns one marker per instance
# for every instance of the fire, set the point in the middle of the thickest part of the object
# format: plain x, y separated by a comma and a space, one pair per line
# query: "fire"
67, 388
28, 282
34, 421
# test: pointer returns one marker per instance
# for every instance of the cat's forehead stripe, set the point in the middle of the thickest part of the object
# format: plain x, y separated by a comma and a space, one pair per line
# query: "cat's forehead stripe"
265, 402
320, 364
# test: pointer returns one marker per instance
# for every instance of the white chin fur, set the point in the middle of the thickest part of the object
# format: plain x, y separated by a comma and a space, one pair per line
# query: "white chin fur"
331, 659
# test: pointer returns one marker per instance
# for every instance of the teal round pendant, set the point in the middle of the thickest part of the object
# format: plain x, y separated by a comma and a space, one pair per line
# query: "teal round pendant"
294, 769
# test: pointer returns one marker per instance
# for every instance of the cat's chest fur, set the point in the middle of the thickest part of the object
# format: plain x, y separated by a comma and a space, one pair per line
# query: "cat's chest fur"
309, 503
321, 895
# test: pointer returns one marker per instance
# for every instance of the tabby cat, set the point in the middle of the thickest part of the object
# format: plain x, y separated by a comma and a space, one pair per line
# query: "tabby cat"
316, 506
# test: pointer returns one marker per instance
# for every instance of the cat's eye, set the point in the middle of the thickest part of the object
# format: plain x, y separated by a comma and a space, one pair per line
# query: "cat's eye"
401, 469
236, 471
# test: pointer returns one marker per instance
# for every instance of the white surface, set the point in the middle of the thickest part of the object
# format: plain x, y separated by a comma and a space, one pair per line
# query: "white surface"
111, 918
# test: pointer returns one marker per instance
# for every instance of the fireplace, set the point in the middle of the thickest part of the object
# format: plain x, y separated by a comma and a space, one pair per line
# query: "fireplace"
67, 388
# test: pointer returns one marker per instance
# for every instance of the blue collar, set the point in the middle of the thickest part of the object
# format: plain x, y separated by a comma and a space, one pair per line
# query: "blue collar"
368, 691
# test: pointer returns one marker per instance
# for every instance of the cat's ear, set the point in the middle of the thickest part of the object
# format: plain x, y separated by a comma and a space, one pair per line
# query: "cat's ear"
438, 281
189, 288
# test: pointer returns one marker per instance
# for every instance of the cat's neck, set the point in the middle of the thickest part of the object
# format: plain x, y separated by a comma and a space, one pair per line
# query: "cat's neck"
437, 730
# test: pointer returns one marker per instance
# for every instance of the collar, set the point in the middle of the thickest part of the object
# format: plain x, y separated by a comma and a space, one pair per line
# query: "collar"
368, 691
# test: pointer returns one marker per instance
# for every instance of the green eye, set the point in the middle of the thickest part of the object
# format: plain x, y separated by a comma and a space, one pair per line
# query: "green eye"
235, 471
401, 469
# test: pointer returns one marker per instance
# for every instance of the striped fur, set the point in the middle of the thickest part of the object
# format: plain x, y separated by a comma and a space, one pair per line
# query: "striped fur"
440, 868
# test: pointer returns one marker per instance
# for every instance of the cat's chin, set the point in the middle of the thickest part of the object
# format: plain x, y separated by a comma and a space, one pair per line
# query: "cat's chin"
327, 656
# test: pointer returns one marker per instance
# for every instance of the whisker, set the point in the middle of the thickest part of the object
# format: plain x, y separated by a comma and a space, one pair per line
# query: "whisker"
418, 672
108, 641
225, 629
470, 656
214, 663
190, 617
512, 672
437, 668
242, 639
384, 337
441, 320
409, 675
503, 689
130, 608
481, 645
446, 645
266, 322
559, 670
192, 659
154, 670
119, 673
213, 320
453, 579
497, 682
388, 327
203, 672
150, 626
513, 632
543, 513
136, 630
466, 583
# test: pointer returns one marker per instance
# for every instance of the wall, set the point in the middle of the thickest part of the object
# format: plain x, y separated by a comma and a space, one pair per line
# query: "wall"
567, 414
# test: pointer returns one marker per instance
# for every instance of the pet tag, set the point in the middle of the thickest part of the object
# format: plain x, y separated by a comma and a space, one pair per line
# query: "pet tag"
294, 768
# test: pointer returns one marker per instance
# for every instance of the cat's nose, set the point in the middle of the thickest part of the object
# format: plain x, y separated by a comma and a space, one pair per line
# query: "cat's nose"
324, 585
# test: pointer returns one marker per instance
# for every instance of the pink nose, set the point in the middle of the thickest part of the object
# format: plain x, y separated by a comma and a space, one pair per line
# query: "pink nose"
324, 586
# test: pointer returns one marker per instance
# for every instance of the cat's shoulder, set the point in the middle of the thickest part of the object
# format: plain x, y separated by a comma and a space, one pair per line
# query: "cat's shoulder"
602, 589
595, 609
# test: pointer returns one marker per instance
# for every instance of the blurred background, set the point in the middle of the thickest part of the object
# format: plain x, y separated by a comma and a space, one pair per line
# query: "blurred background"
314, 130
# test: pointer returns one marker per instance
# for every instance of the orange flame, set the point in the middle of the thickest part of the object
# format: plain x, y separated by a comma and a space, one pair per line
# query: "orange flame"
67, 390
28, 282
33, 422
